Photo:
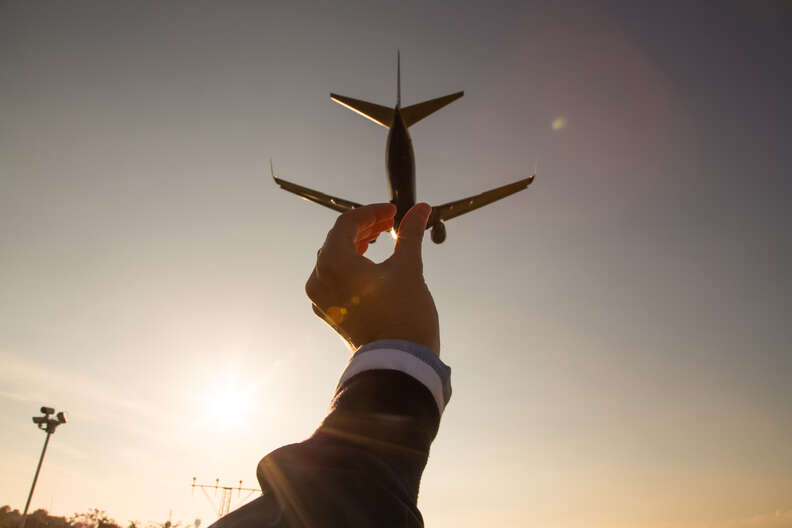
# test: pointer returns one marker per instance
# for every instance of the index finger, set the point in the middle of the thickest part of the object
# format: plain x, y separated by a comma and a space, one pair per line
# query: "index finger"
343, 236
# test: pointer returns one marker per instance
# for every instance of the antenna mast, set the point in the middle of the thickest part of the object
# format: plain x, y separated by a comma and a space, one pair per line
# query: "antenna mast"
224, 506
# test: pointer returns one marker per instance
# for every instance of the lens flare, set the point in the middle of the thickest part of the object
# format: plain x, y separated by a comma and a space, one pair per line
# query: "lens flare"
336, 314
559, 123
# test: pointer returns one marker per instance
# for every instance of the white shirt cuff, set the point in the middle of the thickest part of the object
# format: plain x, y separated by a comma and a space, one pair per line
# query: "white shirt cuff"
410, 358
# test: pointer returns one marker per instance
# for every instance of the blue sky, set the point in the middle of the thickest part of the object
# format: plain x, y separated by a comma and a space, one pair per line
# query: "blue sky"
618, 332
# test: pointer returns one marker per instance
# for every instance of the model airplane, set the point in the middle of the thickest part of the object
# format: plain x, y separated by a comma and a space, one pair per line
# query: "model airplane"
400, 163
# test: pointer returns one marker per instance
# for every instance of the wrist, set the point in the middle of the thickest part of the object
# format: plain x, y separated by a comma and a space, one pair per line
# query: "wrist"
413, 359
426, 339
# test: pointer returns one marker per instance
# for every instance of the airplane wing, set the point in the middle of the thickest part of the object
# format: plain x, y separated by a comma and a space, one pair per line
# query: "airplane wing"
453, 209
336, 204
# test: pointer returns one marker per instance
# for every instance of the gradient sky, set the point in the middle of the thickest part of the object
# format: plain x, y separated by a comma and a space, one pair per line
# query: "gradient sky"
619, 333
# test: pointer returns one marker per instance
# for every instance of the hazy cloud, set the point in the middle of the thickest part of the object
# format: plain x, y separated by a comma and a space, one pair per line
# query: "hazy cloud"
90, 398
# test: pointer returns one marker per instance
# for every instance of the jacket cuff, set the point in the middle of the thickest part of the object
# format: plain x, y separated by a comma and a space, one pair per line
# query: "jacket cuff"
410, 358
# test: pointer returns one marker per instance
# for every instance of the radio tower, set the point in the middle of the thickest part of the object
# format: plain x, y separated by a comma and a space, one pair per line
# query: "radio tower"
224, 506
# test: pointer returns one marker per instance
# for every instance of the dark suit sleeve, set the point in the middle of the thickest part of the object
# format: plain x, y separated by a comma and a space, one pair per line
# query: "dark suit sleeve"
363, 465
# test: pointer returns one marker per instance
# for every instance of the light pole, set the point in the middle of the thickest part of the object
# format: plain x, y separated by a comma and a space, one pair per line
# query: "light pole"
45, 423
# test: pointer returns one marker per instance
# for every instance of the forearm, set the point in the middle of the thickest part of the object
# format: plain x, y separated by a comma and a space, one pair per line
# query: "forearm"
363, 465
374, 443
389, 402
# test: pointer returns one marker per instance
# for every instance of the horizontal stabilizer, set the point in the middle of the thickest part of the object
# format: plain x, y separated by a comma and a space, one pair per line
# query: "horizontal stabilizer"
414, 113
382, 115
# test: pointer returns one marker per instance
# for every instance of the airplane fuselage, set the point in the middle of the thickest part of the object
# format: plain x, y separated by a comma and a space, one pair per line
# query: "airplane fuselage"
400, 163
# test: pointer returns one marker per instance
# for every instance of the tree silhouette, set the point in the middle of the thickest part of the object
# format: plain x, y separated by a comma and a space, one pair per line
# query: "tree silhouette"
93, 518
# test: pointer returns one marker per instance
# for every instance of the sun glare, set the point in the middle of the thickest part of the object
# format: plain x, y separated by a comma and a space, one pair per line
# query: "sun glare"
226, 407
393, 234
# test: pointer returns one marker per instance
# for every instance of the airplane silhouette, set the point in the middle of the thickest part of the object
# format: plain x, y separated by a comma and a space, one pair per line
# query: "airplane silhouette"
400, 163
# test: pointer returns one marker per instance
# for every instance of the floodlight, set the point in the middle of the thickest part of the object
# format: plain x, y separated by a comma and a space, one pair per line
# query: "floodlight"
48, 425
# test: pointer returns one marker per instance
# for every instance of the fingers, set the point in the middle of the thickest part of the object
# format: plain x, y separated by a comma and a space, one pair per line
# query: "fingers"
369, 235
411, 232
352, 225
374, 231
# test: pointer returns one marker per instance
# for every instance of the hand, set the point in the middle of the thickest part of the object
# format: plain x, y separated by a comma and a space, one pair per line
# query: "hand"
364, 301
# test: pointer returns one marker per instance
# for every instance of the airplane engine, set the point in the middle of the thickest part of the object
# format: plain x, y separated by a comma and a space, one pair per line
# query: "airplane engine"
438, 233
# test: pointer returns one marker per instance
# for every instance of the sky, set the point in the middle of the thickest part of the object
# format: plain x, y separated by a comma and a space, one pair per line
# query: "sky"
618, 333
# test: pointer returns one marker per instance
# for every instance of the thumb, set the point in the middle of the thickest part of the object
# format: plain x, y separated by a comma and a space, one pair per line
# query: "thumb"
411, 232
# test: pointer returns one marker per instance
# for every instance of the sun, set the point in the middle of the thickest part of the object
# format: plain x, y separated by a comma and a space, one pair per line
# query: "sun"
226, 407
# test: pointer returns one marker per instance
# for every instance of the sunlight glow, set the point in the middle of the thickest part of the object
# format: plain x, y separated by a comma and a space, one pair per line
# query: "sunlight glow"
393, 234
336, 314
225, 407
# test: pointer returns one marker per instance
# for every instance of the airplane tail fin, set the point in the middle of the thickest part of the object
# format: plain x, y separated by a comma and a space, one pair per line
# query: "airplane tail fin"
398, 78
414, 113
383, 115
